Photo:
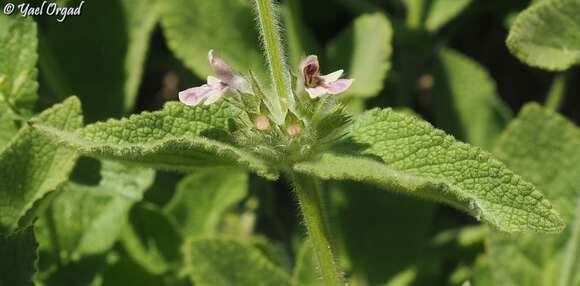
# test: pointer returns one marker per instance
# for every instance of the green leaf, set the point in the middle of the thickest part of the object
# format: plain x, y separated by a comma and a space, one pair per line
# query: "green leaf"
466, 101
33, 165
202, 198
104, 65
85, 220
216, 262
421, 160
18, 255
8, 126
191, 31
545, 148
166, 139
152, 239
442, 12
299, 39
394, 226
305, 272
18, 86
364, 52
546, 35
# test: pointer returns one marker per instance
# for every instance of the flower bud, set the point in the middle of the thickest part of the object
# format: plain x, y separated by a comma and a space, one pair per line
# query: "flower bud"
294, 130
262, 123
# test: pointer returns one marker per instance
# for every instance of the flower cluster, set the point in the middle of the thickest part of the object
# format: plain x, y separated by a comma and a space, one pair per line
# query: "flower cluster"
227, 81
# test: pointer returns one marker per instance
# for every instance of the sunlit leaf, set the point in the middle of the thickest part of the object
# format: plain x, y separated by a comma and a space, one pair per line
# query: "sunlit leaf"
547, 35
33, 165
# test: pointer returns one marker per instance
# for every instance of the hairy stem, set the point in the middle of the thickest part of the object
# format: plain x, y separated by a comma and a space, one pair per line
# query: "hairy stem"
308, 192
272, 42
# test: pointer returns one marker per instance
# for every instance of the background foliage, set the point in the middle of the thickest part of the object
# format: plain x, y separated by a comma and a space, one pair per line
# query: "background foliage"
468, 67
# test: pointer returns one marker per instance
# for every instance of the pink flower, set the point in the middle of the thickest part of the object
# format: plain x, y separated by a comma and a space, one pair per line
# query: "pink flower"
215, 87
318, 85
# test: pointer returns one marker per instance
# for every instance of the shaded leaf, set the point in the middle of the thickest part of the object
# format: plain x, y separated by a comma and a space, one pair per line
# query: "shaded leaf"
305, 272
151, 239
191, 32
394, 226
18, 255
216, 262
87, 220
443, 11
545, 148
546, 35
364, 52
202, 198
33, 165
104, 64
466, 101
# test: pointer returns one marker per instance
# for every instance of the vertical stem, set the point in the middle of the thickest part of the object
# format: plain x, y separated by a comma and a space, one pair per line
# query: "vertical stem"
272, 42
415, 10
557, 93
308, 192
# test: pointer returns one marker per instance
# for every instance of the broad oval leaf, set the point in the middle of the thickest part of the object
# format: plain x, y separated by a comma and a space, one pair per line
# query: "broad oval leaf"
191, 31
364, 52
167, 139
18, 58
466, 101
544, 147
547, 35
151, 239
105, 62
216, 262
202, 198
426, 161
84, 220
33, 165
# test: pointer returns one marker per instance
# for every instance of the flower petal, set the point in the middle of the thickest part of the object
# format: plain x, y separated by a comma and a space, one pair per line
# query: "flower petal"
309, 68
315, 92
193, 96
212, 80
226, 75
339, 86
215, 95
332, 76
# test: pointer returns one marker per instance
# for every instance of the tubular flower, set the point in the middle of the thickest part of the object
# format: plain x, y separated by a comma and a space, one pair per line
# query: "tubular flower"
318, 85
215, 87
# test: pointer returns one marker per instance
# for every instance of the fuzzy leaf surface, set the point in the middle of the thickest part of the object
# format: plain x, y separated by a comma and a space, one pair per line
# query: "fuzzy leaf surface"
364, 52
18, 255
544, 147
167, 139
547, 35
424, 161
466, 101
18, 86
85, 220
216, 262
202, 198
33, 165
